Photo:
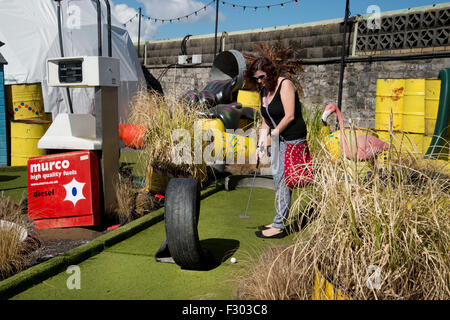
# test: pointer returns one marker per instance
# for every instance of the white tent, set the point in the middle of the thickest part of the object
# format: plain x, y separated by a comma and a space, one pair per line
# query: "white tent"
29, 29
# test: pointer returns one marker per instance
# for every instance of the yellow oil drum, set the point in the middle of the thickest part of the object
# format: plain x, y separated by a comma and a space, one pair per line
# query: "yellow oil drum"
325, 290
156, 180
432, 94
232, 146
406, 143
25, 135
426, 144
413, 117
249, 99
389, 98
24, 101
213, 124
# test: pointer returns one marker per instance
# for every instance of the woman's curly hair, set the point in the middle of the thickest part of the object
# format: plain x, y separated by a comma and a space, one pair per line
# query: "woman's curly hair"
266, 65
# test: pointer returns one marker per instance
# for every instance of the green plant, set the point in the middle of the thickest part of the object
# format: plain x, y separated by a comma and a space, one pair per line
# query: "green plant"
164, 116
395, 220
13, 252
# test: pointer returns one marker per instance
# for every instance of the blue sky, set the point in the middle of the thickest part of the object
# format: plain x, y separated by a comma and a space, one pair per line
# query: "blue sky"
235, 19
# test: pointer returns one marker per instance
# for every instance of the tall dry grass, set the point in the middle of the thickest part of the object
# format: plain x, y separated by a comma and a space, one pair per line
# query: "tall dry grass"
163, 116
13, 252
395, 220
133, 202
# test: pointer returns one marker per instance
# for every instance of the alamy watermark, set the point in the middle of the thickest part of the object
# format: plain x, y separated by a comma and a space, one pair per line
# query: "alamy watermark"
374, 280
74, 280
213, 146
374, 20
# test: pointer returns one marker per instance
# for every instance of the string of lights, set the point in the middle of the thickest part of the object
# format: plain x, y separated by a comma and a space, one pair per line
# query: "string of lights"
203, 9
235, 5
177, 19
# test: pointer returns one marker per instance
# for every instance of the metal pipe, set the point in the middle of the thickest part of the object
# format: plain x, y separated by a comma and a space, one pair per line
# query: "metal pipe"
355, 37
139, 34
108, 12
341, 78
215, 34
61, 46
99, 27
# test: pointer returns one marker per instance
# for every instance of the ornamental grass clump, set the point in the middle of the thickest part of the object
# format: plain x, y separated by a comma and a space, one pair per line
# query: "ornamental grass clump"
170, 123
133, 201
13, 251
383, 236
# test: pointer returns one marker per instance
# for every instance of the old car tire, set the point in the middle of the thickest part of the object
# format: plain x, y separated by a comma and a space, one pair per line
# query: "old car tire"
182, 209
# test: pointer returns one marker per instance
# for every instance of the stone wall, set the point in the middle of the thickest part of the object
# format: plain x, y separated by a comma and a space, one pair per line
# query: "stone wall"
321, 82
318, 46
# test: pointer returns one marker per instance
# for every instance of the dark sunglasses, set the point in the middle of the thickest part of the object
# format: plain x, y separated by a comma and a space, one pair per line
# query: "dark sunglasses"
259, 77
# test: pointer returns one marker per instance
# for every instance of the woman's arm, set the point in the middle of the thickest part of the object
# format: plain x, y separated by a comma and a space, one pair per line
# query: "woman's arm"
287, 93
264, 136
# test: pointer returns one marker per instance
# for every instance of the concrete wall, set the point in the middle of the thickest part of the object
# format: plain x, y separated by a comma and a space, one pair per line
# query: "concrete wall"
318, 46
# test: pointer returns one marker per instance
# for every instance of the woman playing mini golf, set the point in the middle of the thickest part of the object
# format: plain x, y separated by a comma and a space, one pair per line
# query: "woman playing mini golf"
282, 127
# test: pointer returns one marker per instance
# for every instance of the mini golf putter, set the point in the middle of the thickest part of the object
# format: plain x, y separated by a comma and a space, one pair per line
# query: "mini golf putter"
261, 148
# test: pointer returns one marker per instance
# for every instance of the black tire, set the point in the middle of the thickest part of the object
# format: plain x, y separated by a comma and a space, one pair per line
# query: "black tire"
246, 181
182, 209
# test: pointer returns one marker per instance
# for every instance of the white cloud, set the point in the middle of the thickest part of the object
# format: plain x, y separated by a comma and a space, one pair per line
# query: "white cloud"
169, 9
124, 13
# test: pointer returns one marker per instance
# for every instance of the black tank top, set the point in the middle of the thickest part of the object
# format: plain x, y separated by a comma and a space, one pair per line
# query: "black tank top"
297, 128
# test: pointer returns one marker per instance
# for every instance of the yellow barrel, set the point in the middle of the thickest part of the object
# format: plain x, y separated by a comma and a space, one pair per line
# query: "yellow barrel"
389, 98
232, 146
24, 101
426, 143
213, 124
432, 94
401, 142
248, 98
324, 290
25, 135
156, 180
413, 117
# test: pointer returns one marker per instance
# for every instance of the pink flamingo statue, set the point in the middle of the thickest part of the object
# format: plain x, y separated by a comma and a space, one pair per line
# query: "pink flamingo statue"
365, 147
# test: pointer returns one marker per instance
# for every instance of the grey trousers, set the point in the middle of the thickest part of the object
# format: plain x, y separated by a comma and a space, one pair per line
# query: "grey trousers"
282, 192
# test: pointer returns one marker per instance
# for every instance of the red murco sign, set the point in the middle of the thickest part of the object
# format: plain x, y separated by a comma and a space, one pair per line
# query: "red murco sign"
63, 190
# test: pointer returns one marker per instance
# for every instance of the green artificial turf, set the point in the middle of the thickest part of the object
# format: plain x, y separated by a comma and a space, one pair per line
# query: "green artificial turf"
13, 183
128, 270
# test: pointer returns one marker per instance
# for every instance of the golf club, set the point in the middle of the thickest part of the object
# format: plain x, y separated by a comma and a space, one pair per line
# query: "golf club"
251, 189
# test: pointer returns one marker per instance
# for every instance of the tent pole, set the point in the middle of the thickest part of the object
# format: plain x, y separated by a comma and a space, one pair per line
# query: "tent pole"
108, 12
58, 4
139, 34
99, 27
